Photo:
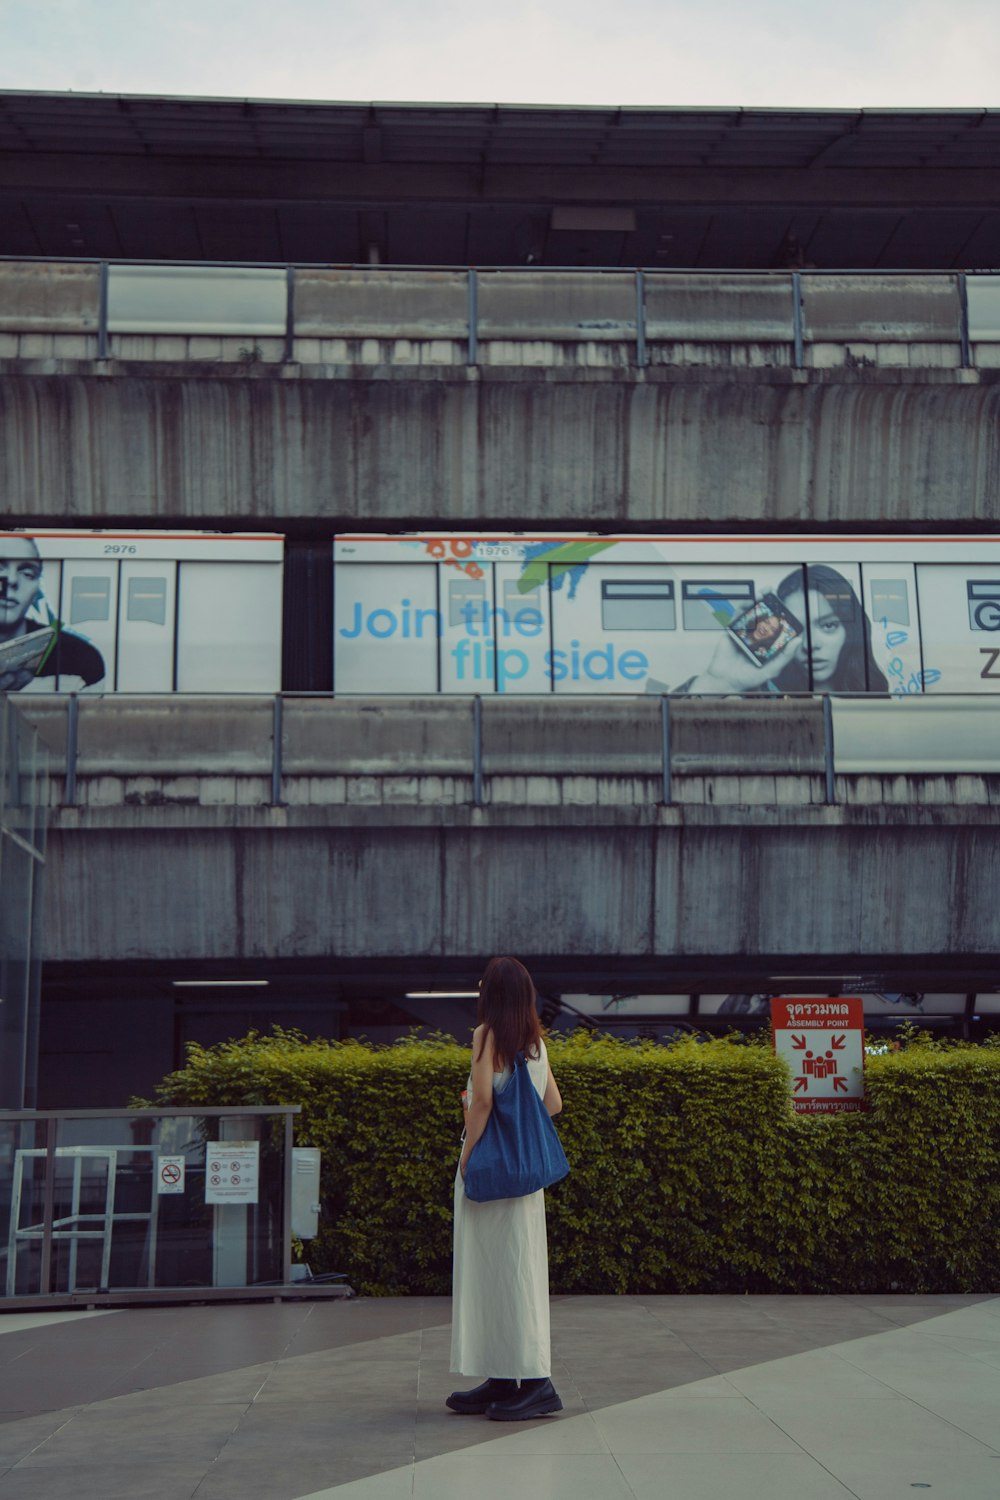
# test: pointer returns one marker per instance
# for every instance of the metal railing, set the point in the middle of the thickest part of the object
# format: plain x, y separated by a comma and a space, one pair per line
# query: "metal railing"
788, 311
656, 738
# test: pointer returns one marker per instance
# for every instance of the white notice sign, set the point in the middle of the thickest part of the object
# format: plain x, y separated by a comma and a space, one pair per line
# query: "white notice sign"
232, 1171
170, 1174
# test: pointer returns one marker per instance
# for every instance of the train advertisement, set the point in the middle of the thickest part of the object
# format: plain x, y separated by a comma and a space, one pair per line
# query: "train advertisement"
591, 615
144, 612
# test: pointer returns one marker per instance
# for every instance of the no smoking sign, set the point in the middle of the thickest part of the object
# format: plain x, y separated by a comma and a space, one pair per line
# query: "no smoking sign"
170, 1174
823, 1042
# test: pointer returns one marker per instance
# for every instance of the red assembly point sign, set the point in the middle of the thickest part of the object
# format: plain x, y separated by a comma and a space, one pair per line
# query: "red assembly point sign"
823, 1041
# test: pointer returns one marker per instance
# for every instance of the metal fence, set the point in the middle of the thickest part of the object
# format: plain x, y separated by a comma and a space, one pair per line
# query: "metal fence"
658, 738
789, 312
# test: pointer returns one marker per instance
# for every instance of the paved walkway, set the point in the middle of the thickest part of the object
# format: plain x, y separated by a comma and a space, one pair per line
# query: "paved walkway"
691, 1398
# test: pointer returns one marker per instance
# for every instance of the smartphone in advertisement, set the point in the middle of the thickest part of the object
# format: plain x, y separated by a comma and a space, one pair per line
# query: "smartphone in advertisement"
765, 629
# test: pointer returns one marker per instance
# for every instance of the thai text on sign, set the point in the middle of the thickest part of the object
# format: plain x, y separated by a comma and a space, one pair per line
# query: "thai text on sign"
823, 1042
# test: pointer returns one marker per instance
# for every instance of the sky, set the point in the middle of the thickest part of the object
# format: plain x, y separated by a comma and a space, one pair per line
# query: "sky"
771, 53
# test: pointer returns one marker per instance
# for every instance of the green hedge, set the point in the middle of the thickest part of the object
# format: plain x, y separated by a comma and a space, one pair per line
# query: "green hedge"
690, 1171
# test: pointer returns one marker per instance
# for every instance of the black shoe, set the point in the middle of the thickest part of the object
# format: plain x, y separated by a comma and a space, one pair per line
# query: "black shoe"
473, 1403
536, 1398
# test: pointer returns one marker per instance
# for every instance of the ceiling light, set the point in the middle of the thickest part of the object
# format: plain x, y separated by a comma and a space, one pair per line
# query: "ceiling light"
442, 994
219, 984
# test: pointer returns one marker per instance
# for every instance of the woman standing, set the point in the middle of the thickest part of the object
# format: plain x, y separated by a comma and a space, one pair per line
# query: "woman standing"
500, 1307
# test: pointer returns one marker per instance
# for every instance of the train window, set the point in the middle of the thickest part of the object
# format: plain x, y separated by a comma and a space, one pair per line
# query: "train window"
519, 606
90, 599
466, 601
890, 600
710, 603
638, 604
147, 600
984, 603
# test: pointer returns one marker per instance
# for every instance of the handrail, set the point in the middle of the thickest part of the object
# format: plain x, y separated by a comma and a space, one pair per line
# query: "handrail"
947, 325
480, 773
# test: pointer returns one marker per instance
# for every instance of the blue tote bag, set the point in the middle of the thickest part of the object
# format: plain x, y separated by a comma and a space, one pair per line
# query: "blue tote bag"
519, 1151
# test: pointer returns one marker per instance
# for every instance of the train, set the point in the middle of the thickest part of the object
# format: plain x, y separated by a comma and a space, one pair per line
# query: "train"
145, 611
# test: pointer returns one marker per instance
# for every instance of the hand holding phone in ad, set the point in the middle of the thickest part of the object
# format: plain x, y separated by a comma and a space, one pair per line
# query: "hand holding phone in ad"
766, 630
755, 646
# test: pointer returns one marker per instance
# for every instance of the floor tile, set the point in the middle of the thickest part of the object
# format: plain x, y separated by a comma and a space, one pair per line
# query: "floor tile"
894, 1476
393, 1484
233, 1478
26, 1321
979, 1418
862, 1426
820, 1374
102, 1481
713, 1476
498, 1477
562, 1434
678, 1424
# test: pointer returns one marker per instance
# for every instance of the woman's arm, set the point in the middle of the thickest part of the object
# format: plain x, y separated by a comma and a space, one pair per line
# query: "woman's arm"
482, 1092
552, 1099
730, 671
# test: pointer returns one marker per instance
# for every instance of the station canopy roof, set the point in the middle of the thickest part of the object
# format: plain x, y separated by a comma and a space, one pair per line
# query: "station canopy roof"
140, 177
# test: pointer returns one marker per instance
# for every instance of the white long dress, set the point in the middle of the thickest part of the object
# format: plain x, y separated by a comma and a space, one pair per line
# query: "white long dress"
500, 1282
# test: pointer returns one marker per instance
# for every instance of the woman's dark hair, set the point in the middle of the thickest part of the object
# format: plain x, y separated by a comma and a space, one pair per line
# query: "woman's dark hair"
856, 671
507, 1011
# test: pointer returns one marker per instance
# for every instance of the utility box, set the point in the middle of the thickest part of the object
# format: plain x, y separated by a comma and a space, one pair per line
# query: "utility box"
305, 1192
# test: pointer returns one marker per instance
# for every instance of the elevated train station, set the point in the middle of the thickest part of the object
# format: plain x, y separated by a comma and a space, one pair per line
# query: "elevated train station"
243, 341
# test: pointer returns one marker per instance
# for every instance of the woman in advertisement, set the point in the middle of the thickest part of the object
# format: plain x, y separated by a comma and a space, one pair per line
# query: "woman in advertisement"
825, 648
500, 1305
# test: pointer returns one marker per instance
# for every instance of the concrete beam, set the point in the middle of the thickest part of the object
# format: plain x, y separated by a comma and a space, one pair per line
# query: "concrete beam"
548, 886
386, 447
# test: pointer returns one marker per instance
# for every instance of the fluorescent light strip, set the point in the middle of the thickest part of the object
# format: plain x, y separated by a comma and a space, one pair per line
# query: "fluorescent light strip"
442, 994
219, 984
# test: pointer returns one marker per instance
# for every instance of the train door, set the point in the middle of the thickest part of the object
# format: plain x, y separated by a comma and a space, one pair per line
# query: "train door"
960, 626
146, 616
890, 594
89, 608
468, 646
386, 625
229, 627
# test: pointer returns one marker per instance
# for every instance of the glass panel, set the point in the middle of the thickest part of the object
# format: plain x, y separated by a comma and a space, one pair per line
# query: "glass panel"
608, 1007
913, 1002
638, 604
16, 882
744, 1004
22, 1204
710, 603
143, 1201
197, 299
983, 293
